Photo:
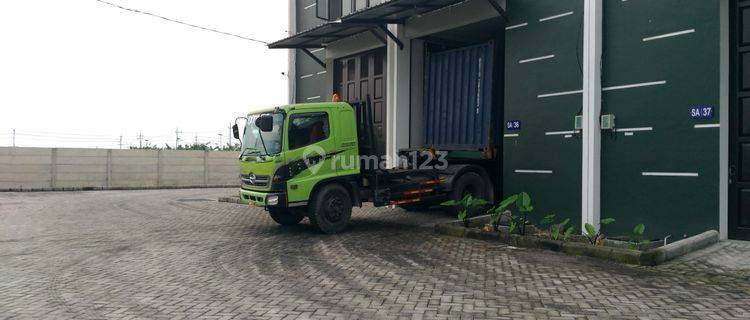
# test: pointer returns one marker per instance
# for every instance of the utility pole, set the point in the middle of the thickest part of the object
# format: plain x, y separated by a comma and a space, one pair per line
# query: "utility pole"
14, 138
177, 138
196, 139
120, 141
230, 134
140, 140
221, 140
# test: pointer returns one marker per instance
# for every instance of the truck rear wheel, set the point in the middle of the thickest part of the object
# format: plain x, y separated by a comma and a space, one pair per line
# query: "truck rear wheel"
331, 209
286, 216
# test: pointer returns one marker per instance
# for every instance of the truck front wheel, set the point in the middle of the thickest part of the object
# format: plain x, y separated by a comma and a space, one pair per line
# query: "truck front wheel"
286, 216
331, 209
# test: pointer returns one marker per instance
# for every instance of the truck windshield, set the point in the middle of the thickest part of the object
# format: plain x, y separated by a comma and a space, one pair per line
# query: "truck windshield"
270, 144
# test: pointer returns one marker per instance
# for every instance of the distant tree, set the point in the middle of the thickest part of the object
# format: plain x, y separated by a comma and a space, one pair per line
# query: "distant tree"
148, 146
194, 146
231, 147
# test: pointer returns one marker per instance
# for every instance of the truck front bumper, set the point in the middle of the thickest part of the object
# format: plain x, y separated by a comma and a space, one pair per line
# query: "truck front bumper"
263, 199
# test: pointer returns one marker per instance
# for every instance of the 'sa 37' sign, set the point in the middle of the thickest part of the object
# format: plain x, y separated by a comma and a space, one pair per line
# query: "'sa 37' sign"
702, 112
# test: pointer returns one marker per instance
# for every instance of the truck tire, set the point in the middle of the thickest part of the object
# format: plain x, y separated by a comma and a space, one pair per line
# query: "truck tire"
470, 183
286, 216
331, 209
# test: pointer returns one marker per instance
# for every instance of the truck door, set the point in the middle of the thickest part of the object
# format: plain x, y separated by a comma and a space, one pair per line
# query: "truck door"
309, 148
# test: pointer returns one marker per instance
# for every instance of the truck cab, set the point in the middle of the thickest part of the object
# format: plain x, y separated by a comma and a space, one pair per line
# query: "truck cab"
319, 160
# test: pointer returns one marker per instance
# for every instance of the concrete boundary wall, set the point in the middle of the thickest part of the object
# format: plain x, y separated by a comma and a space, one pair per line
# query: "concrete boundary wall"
37, 169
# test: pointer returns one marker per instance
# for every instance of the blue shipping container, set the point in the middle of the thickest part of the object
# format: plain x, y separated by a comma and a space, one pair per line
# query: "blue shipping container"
458, 98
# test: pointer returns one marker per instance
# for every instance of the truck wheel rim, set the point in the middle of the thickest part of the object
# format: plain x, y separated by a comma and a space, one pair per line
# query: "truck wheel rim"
334, 209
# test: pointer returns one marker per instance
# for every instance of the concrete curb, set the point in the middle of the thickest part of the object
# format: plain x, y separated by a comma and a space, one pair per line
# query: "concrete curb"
680, 248
644, 258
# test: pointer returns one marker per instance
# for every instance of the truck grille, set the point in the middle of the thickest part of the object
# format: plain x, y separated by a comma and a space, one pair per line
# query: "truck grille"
253, 180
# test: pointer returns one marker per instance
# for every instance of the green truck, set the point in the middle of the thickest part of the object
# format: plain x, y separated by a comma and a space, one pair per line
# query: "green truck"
320, 160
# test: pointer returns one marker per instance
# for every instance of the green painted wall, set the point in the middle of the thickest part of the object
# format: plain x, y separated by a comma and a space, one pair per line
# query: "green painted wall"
310, 81
689, 64
534, 149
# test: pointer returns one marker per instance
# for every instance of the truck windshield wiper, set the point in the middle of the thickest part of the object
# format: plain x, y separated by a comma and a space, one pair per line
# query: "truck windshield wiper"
260, 135
251, 151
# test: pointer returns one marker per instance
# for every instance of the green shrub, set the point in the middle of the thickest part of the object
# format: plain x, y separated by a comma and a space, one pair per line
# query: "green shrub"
468, 203
557, 231
636, 237
595, 237
519, 220
497, 213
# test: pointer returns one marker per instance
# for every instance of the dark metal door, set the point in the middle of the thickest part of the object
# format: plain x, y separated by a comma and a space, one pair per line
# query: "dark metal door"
360, 76
739, 136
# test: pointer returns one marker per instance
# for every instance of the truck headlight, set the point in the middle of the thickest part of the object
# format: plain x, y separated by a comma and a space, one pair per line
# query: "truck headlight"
272, 200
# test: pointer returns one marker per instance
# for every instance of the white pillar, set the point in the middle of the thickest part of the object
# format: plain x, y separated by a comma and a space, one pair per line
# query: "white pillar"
592, 106
724, 120
397, 95
291, 73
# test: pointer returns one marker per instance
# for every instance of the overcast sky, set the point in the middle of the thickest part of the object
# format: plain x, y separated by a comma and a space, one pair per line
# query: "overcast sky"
78, 73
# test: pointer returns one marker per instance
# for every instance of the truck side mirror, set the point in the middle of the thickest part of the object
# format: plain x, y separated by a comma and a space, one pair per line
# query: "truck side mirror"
236, 131
264, 123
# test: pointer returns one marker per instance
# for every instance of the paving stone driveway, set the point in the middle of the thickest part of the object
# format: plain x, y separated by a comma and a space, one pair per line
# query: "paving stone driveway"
179, 254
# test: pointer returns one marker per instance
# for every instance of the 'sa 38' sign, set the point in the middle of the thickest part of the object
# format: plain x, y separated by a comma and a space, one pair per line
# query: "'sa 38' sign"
513, 125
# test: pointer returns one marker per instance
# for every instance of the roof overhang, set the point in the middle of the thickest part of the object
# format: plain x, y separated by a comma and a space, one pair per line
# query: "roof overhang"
321, 36
367, 20
396, 11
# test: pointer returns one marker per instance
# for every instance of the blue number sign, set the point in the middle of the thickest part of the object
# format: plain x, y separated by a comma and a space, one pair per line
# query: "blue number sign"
513, 125
702, 112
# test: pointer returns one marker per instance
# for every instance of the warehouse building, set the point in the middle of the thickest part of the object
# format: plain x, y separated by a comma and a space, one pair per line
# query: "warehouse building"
625, 109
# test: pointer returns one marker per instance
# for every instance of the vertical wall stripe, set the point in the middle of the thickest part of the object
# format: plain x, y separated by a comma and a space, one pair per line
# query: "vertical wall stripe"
724, 118
592, 91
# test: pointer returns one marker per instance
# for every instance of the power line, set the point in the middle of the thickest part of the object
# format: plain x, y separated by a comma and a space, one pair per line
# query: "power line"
64, 133
180, 22
53, 137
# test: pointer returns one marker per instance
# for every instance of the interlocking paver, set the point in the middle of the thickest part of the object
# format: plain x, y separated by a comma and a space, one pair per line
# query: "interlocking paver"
177, 254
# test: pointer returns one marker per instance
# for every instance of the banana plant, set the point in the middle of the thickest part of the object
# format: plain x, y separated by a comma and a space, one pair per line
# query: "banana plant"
523, 203
595, 237
561, 230
468, 203
557, 231
518, 221
497, 213
636, 237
